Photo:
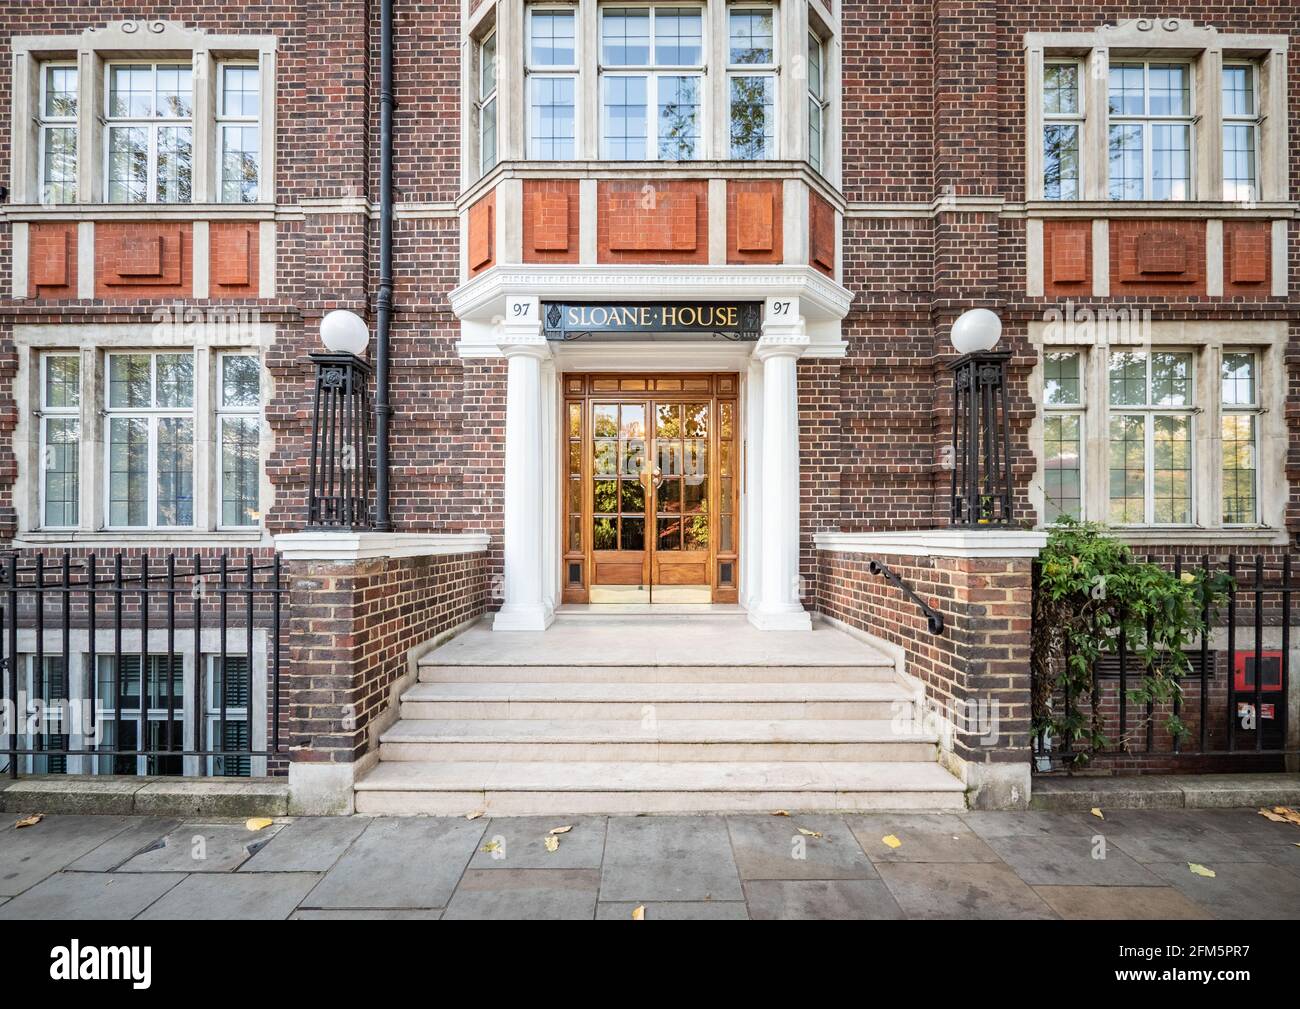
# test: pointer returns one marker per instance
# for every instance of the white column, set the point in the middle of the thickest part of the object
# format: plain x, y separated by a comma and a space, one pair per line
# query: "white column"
783, 342
524, 607
751, 565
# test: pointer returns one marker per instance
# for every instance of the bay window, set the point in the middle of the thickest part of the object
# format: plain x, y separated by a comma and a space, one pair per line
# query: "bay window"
552, 84
816, 101
1240, 181
57, 157
487, 102
149, 114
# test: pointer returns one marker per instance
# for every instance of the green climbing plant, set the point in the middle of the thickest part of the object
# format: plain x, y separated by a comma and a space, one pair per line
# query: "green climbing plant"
1090, 589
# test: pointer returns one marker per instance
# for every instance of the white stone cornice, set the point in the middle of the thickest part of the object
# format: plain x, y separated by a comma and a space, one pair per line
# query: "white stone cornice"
151, 35
320, 545
937, 543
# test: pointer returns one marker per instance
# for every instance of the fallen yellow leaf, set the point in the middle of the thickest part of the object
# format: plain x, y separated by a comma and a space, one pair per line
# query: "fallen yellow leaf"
561, 830
258, 822
1200, 870
30, 821
809, 833
1288, 814
638, 913
491, 846
889, 840
475, 815
552, 843
1268, 814
1096, 811
780, 812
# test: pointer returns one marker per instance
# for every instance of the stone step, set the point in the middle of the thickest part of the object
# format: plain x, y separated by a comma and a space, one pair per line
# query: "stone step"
539, 788
666, 740
431, 672
671, 701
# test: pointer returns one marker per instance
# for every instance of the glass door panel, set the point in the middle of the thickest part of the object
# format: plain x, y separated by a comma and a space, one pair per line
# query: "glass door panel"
620, 558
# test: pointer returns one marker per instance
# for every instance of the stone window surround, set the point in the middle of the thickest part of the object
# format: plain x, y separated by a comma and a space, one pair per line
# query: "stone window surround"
507, 19
1207, 340
1207, 50
210, 643
92, 342
91, 50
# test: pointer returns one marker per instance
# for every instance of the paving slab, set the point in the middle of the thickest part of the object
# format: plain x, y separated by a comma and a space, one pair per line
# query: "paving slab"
400, 862
674, 910
1239, 890
1172, 836
521, 843
1246, 824
141, 832
90, 896
309, 844
925, 837
990, 824
525, 895
29, 855
821, 899
771, 847
669, 858
1126, 903
233, 897
201, 847
368, 914
1064, 861
962, 891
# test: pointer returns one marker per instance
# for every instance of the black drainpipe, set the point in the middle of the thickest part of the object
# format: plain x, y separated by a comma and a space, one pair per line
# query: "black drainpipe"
384, 297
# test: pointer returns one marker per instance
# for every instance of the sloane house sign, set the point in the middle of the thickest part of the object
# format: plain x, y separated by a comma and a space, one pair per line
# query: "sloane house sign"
740, 320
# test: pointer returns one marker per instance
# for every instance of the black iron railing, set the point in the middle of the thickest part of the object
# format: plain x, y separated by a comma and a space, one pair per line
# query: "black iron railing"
1232, 705
932, 616
136, 665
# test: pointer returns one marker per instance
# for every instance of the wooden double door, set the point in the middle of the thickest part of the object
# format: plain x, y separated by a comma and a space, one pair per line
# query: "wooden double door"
651, 489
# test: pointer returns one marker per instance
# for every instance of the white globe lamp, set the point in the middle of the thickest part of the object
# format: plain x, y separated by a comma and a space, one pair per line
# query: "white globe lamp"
344, 332
975, 331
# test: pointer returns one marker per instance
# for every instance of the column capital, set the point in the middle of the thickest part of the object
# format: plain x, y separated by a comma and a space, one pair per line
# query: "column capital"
519, 333
784, 332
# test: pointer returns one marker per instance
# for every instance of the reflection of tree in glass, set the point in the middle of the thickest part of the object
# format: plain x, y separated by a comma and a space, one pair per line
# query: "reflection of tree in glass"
749, 117
1060, 163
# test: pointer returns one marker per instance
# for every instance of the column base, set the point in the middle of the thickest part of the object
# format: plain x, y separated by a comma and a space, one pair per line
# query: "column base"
523, 618
794, 618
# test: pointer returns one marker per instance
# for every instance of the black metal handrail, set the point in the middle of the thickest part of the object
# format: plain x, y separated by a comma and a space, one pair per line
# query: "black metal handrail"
932, 616
110, 596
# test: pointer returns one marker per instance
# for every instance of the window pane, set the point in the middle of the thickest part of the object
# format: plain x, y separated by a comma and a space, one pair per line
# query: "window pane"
488, 149
814, 133
231, 764
1062, 466
1126, 98
60, 92
1239, 163
128, 380
751, 36
1172, 477
175, 471
752, 116
1060, 161
240, 148
175, 380
1127, 470
59, 164
1239, 464
130, 92
1126, 162
552, 39
1170, 90
240, 376
128, 471
175, 164
239, 471
1171, 161
815, 66
625, 38
1128, 379
1061, 379
679, 107
623, 117
62, 470
239, 91
1238, 91
678, 37
1061, 89
175, 92
487, 66
62, 382
551, 118
1238, 379
128, 164
1171, 379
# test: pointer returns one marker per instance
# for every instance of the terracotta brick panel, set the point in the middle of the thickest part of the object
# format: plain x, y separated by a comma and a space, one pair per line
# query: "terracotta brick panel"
661, 222
233, 263
550, 225
1067, 257
1247, 257
821, 234
754, 225
52, 260
482, 233
1157, 257
143, 259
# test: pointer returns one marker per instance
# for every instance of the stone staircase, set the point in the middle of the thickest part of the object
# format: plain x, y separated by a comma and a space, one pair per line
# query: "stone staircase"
654, 714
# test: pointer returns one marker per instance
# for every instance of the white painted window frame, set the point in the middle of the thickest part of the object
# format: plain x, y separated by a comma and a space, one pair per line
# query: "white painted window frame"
1255, 410
1253, 119
1079, 410
1077, 119
46, 413
223, 414
221, 120
1147, 120
773, 70
535, 72
152, 125
817, 99
49, 122
485, 97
